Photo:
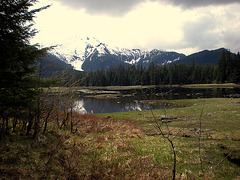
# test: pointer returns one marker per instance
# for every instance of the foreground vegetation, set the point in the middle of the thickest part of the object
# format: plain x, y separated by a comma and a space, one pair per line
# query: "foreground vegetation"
126, 145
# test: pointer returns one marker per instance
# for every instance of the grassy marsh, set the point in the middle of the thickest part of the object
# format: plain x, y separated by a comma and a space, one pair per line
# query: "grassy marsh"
220, 136
126, 145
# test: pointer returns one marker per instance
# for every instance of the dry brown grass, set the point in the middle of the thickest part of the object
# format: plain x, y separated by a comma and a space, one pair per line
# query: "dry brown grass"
100, 149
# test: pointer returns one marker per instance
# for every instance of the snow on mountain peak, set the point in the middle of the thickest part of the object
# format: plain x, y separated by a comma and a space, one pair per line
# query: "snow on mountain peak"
77, 50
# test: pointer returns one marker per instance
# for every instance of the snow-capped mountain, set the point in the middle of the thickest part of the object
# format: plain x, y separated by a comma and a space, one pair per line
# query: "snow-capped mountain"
86, 54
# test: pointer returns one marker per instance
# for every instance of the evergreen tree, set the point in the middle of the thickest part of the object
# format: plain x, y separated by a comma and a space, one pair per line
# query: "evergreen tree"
165, 75
18, 87
236, 68
209, 71
151, 71
221, 73
229, 67
193, 72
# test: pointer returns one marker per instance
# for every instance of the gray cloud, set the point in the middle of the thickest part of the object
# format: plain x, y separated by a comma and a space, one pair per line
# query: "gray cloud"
201, 34
187, 4
198, 35
110, 7
231, 39
208, 33
121, 7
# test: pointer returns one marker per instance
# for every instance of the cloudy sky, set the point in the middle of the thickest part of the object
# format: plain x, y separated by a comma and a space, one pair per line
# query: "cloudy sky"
184, 26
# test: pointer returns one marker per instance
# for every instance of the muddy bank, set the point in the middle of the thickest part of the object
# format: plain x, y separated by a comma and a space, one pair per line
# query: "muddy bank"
93, 91
109, 96
164, 103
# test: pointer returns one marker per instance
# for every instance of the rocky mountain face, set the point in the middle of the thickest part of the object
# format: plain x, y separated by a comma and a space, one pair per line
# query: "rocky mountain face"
90, 54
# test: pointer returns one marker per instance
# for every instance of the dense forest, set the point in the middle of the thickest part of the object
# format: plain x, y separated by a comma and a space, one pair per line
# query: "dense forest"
227, 70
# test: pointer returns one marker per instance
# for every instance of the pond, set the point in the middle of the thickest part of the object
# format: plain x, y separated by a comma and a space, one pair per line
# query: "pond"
86, 104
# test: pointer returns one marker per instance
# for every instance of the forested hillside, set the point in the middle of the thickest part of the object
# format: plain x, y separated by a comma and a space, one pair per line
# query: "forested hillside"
195, 68
227, 70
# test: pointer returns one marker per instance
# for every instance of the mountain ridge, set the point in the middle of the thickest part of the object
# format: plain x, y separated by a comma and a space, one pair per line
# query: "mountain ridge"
86, 54
91, 54
204, 57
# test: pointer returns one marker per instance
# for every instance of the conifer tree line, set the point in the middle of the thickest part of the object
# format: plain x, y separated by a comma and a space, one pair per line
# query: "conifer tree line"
227, 70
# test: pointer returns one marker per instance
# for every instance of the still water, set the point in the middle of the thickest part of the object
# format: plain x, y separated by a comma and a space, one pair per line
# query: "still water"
85, 104
96, 106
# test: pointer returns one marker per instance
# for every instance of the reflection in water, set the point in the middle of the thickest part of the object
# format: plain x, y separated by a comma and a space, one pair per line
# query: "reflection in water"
79, 107
92, 105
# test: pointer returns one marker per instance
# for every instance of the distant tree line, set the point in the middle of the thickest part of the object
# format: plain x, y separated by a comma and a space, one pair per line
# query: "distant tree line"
227, 70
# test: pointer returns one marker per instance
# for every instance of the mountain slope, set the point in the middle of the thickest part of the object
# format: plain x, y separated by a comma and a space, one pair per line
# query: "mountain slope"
87, 54
52, 66
205, 57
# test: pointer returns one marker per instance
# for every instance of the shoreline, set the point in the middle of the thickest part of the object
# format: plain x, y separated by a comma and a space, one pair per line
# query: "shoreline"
122, 88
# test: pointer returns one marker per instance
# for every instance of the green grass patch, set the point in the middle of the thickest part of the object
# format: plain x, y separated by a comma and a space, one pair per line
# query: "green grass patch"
220, 136
225, 85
